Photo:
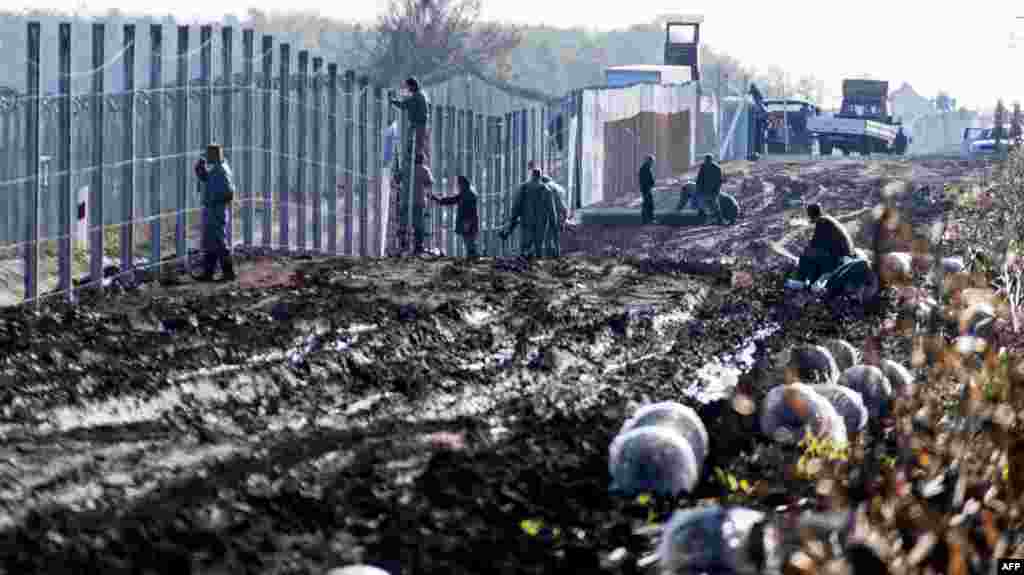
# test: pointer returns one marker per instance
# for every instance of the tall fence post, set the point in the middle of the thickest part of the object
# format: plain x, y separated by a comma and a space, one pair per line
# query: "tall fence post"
205, 116
181, 121
7, 220
459, 148
332, 158
267, 181
517, 164
32, 163
247, 170
376, 165
452, 140
364, 145
506, 173
440, 176
317, 163
482, 158
578, 156
349, 167
472, 157
128, 176
493, 190
228, 119
156, 43
64, 161
283, 193
301, 152
545, 159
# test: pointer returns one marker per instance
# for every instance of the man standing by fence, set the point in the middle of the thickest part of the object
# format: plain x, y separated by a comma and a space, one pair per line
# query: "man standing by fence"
423, 181
220, 192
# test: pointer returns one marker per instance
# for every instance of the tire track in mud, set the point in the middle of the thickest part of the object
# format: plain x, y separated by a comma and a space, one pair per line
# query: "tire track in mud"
234, 409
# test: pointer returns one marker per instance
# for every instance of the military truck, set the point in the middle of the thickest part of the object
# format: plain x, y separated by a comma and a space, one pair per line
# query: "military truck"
863, 123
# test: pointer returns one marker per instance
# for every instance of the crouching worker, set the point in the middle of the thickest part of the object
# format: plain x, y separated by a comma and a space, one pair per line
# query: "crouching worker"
829, 245
467, 220
215, 172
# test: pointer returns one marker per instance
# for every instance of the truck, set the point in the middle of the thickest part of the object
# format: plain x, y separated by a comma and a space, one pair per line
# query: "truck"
863, 123
791, 116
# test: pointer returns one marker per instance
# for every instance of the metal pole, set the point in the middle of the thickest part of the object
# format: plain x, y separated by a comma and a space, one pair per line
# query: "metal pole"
376, 165
156, 42
317, 163
283, 193
205, 112
64, 161
349, 159
302, 151
227, 115
364, 144
267, 54
332, 158
32, 163
181, 144
248, 170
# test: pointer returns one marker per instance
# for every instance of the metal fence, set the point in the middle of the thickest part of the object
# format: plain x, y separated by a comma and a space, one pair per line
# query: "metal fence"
93, 177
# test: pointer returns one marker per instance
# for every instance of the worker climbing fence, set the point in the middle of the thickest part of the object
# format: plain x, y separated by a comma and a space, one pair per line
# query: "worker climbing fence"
96, 159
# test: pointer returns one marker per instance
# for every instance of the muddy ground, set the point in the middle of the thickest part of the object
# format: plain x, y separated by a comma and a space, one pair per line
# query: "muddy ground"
425, 416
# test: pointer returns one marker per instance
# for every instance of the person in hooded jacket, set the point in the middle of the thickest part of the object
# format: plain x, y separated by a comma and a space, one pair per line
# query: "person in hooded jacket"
646, 176
215, 172
467, 219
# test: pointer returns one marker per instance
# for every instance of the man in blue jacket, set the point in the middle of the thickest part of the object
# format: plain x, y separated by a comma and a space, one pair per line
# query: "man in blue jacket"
215, 172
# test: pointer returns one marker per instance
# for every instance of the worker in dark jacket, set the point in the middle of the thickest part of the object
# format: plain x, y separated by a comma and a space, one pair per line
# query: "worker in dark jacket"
553, 242
647, 190
467, 220
535, 209
215, 172
709, 185
417, 105
829, 245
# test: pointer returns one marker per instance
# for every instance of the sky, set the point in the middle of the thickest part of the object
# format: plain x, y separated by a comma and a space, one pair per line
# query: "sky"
918, 42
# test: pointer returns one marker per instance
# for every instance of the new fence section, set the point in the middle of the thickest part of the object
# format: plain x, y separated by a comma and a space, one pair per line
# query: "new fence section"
96, 161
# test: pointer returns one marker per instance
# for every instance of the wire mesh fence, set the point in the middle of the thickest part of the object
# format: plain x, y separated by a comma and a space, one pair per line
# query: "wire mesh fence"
100, 134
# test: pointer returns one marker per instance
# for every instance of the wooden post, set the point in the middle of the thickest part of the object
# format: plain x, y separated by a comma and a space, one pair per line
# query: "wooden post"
301, 152
267, 54
227, 117
483, 157
332, 158
128, 176
459, 146
364, 145
283, 193
181, 122
156, 119
452, 143
317, 163
469, 167
205, 112
247, 170
377, 165
350, 81
64, 161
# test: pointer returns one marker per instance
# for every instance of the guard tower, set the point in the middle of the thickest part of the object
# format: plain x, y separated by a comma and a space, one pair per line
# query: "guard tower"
682, 44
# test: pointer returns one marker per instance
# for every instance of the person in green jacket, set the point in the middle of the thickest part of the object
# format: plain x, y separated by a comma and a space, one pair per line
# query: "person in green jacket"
215, 172
467, 220
535, 209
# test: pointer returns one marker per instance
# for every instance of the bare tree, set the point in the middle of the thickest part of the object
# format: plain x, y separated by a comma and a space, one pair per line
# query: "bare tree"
432, 39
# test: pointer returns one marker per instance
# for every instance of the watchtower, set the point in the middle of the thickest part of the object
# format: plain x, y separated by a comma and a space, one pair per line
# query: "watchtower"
682, 44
